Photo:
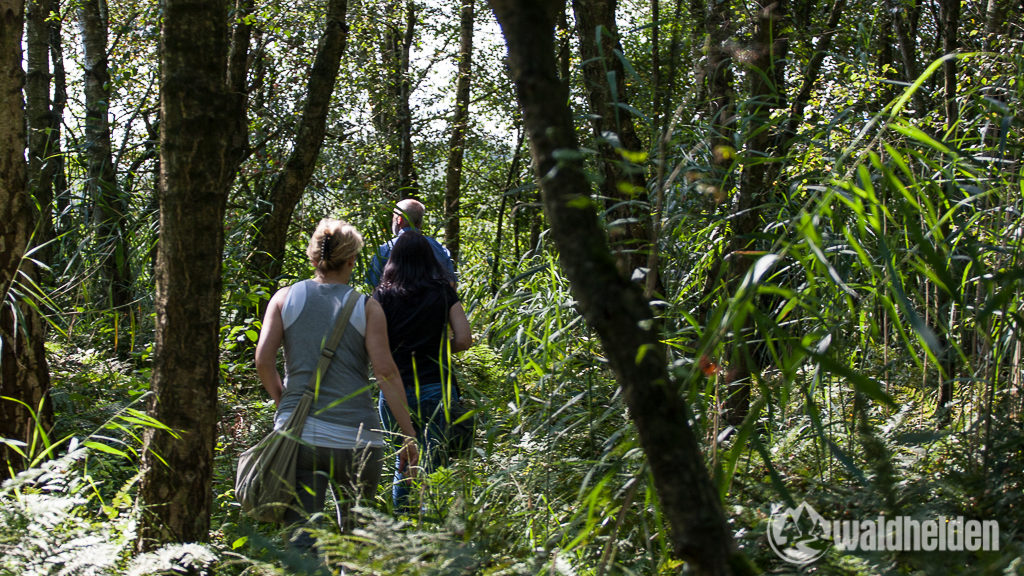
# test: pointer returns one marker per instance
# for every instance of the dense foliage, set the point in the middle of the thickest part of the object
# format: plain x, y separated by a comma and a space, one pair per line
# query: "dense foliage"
880, 303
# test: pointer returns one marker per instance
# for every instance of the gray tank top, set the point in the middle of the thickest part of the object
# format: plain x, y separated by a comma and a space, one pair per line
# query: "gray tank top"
344, 394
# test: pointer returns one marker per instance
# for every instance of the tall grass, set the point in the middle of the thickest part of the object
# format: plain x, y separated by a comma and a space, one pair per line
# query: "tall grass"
890, 266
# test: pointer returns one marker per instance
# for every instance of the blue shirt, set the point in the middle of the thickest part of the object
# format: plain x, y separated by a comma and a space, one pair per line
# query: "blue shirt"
379, 259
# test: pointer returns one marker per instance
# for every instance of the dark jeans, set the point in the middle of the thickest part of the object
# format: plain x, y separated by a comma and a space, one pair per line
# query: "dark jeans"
427, 408
351, 475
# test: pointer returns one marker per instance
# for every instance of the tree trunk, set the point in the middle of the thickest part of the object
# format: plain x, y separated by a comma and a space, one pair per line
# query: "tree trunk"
460, 121
995, 22
15, 205
109, 204
408, 182
199, 155
904, 23
564, 35
624, 184
821, 49
24, 376
718, 78
513, 174
291, 182
656, 81
19, 377
755, 195
949, 20
389, 100
238, 70
43, 140
61, 198
611, 304
25, 373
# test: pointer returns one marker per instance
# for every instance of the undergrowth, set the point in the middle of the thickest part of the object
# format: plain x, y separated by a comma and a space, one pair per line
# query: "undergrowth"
873, 286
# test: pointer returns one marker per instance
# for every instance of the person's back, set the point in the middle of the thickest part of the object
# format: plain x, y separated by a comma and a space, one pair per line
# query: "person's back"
408, 217
342, 444
420, 306
418, 331
343, 396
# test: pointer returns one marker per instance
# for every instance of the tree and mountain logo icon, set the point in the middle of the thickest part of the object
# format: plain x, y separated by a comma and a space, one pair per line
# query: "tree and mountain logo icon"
799, 535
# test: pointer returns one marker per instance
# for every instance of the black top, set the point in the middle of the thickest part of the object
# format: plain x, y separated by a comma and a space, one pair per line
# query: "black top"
418, 332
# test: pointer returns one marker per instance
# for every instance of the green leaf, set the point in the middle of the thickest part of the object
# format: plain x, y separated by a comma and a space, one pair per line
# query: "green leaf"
101, 447
868, 386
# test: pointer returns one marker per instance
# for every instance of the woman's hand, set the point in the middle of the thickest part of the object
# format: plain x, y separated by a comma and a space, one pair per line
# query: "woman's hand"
409, 458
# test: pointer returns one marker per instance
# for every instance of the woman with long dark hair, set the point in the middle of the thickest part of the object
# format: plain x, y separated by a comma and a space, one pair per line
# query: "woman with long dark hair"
426, 325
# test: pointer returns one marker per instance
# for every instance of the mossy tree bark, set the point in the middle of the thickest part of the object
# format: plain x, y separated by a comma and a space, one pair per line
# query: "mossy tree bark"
24, 378
199, 153
25, 373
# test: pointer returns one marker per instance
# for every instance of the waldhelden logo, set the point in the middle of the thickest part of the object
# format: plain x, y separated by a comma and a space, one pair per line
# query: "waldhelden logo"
801, 535
798, 536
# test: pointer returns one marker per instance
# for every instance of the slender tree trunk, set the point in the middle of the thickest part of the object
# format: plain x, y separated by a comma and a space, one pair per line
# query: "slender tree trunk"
238, 70
718, 77
564, 37
949, 19
995, 19
43, 142
61, 200
153, 204
614, 306
199, 155
904, 23
624, 185
24, 378
20, 386
885, 62
821, 49
108, 201
513, 172
660, 128
408, 182
14, 201
460, 122
656, 80
755, 194
718, 86
291, 182
392, 114
674, 56
15, 205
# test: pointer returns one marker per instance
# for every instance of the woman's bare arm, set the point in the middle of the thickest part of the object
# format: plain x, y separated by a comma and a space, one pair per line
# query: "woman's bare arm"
271, 338
462, 334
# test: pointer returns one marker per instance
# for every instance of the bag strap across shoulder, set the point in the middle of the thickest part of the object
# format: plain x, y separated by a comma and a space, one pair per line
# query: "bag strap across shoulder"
327, 352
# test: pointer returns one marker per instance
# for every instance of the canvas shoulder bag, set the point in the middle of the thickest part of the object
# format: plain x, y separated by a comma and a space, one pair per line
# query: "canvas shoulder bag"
265, 479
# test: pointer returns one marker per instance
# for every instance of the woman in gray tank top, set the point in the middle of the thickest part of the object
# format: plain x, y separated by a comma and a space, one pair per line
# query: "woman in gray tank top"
342, 448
